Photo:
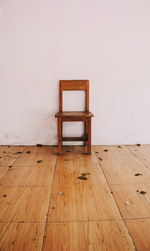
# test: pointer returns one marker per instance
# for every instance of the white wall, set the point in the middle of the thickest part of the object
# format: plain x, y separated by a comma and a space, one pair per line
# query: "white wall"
107, 42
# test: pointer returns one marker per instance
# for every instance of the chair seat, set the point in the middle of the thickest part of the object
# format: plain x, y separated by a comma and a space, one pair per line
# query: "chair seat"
74, 114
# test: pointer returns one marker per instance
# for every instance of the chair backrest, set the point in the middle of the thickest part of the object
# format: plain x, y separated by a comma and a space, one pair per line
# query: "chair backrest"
74, 85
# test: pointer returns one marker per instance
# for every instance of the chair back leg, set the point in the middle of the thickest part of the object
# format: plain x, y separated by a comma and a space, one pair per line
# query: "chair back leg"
59, 132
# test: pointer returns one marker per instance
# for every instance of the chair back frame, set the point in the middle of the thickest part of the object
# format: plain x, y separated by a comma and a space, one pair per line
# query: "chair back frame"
74, 85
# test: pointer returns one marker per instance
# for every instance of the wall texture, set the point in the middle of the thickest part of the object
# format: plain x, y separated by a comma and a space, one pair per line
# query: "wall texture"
107, 42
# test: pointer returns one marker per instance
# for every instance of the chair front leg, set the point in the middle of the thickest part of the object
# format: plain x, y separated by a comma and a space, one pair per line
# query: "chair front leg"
89, 135
85, 132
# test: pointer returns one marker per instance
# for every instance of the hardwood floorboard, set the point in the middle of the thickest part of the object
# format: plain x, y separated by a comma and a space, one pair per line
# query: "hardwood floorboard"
140, 233
120, 166
21, 236
11, 151
38, 156
142, 152
4, 166
85, 160
24, 204
28, 176
8, 157
89, 236
82, 202
71, 168
131, 202
22, 173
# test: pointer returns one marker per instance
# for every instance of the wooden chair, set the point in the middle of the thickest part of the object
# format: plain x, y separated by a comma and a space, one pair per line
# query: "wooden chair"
85, 116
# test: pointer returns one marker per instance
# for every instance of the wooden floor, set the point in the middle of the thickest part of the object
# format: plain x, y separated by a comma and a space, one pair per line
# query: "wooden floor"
75, 202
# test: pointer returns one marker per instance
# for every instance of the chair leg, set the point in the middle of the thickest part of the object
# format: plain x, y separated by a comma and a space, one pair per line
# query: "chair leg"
59, 131
89, 136
85, 132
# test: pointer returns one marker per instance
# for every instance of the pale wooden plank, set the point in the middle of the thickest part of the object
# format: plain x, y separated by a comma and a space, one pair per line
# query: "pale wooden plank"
142, 153
23, 173
11, 151
73, 164
46, 154
140, 233
87, 161
132, 204
120, 166
21, 236
91, 236
67, 176
82, 202
71, 153
5, 164
8, 157
28, 176
28, 204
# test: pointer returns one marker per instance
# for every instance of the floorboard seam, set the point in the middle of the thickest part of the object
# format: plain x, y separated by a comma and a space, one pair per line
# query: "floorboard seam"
53, 222
46, 221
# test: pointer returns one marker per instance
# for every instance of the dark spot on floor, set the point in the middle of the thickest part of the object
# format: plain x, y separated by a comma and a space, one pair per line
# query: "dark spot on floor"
17, 152
0, 157
53, 207
66, 159
119, 146
84, 174
97, 152
105, 150
28, 152
10, 166
4, 152
100, 159
82, 178
111, 192
142, 192
68, 151
39, 161
138, 144
4, 195
138, 174
39, 145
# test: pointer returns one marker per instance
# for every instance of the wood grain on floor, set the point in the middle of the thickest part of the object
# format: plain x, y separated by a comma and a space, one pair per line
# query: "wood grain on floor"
24, 204
142, 153
82, 202
81, 236
133, 200
120, 166
75, 202
21, 236
8, 156
140, 233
